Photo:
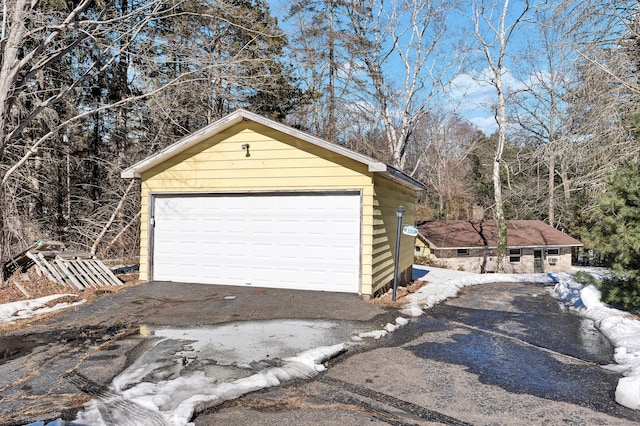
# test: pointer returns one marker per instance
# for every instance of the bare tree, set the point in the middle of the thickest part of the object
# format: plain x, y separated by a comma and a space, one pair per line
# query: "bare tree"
401, 53
541, 110
37, 38
494, 28
322, 63
602, 97
605, 26
441, 143
78, 82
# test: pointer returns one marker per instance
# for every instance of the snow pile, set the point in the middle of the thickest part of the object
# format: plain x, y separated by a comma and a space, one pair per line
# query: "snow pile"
174, 400
377, 334
24, 309
618, 327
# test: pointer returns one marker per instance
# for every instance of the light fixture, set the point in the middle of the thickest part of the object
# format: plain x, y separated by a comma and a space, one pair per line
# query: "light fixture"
246, 147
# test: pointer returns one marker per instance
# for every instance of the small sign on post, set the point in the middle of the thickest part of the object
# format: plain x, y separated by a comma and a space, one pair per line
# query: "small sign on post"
409, 230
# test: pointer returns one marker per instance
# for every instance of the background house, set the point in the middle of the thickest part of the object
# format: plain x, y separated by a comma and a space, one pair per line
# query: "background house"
532, 246
249, 201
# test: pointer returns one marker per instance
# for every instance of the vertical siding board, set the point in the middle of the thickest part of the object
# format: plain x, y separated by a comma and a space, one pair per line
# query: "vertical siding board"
367, 238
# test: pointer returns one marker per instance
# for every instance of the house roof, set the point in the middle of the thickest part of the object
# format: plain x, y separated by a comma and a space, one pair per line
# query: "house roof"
240, 115
454, 234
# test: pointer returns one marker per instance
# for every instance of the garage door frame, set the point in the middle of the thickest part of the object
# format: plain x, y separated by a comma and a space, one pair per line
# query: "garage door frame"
154, 195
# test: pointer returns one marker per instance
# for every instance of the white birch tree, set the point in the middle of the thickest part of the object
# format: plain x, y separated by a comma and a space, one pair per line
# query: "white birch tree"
405, 64
494, 26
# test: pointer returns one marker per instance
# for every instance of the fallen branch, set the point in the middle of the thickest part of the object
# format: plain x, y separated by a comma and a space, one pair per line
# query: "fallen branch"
112, 218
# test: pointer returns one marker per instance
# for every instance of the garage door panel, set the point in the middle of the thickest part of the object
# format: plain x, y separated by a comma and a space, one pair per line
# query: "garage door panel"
309, 241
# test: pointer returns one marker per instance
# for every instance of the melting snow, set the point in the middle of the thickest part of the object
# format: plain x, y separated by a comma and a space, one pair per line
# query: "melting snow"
24, 309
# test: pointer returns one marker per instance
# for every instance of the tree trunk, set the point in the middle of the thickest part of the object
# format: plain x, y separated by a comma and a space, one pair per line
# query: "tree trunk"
501, 119
5, 232
551, 189
566, 185
330, 132
500, 36
106, 227
499, 207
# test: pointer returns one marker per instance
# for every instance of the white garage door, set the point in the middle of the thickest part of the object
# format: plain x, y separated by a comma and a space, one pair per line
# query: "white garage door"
296, 241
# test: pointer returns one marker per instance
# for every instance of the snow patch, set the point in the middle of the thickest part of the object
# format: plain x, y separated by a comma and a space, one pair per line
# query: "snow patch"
173, 401
24, 309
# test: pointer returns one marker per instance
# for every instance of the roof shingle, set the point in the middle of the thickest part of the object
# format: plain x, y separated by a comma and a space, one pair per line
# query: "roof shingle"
468, 234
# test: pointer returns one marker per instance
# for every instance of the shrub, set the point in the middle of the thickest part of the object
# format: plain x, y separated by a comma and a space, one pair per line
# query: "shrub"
622, 291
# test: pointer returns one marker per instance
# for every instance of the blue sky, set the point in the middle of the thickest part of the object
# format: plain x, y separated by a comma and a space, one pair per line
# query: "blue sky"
470, 93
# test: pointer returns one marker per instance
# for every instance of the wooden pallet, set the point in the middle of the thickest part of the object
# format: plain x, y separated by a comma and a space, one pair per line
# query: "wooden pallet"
75, 270
85, 273
22, 261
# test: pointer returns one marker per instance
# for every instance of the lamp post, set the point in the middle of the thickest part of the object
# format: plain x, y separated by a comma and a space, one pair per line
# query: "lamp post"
399, 213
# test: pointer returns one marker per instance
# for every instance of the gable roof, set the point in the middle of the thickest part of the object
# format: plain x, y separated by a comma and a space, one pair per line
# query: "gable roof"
453, 234
241, 115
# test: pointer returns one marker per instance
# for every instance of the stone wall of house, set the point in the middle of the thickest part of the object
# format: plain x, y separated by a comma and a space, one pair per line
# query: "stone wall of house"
564, 261
484, 260
476, 260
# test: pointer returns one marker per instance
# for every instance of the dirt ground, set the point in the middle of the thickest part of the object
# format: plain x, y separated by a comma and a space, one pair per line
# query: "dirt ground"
32, 285
401, 295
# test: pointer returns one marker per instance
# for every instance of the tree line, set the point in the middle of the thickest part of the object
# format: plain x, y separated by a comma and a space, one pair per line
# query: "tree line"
89, 87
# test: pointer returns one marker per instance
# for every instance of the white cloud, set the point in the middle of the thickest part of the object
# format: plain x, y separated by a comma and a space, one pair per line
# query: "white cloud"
487, 125
474, 97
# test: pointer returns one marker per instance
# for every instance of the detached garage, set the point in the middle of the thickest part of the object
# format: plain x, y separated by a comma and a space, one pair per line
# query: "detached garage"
249, 201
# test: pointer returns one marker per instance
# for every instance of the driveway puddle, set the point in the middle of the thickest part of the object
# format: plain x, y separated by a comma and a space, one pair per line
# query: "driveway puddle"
186, 366
246, 342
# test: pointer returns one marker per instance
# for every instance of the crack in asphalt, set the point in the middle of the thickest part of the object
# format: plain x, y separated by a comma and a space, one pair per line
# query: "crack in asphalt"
409, 407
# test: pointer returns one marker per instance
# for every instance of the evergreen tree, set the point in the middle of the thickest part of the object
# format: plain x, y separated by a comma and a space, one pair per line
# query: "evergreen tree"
617, 236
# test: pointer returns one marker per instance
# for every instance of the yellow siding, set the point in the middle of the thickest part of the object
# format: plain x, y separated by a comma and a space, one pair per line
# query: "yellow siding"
424, 250
277, 162
388, 196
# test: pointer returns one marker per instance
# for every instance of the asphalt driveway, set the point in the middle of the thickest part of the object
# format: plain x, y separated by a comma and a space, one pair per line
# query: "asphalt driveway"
497, 354
98, 340
183, 304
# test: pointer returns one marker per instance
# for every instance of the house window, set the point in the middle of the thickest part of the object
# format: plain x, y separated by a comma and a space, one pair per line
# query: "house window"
463, 252
514, 255
418, 251
553, 256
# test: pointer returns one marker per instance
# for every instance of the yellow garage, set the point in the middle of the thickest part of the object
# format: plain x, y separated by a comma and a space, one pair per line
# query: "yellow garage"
249, 201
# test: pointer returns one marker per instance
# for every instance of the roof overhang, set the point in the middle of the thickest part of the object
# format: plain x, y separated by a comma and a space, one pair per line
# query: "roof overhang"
241, 115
